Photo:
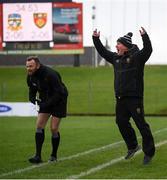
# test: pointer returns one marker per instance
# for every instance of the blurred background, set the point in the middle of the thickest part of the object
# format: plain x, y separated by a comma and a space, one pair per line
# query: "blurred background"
60, 33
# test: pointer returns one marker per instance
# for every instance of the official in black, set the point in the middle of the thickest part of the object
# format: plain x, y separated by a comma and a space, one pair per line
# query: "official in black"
46, 90
128, 63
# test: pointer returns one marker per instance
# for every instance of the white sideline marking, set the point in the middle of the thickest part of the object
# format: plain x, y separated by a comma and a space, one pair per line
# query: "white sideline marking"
159, 131
110, 163
62, 159
91, 151
18, 171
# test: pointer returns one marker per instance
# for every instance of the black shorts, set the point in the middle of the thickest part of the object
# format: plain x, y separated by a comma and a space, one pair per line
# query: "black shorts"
58, 109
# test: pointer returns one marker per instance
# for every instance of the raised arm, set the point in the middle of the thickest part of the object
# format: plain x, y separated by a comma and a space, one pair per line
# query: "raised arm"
147, 47
106, 54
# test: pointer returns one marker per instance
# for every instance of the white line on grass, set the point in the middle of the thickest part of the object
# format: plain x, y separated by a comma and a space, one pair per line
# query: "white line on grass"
18, 171
61, 159
91, 151
107, 164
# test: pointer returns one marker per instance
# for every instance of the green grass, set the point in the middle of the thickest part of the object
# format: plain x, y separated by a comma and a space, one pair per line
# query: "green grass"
90, 89
78, 134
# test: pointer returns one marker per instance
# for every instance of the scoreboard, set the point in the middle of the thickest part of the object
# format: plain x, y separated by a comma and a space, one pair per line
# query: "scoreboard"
27, 22
55, 27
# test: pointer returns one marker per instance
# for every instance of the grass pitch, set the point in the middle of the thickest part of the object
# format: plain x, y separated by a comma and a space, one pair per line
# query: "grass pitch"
91, 147
90, 89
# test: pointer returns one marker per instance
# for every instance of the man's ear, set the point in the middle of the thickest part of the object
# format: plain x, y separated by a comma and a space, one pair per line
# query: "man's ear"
38, 65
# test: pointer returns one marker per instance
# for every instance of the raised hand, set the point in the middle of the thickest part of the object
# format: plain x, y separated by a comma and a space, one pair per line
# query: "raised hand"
95, 33
142, 31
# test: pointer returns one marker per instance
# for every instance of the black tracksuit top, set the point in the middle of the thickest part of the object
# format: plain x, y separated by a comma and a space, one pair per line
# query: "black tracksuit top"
129, 68
48, 84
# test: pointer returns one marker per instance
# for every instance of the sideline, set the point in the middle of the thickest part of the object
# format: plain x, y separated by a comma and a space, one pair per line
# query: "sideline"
110, 163
18, 171
62, 159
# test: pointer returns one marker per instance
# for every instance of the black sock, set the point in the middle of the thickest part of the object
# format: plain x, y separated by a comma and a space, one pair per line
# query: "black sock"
55, 143
39, 139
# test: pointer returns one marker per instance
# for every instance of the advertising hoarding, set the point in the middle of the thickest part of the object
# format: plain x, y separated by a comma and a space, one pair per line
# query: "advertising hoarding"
67, 26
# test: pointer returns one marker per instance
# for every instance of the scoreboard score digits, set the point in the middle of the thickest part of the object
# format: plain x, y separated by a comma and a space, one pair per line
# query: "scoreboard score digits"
27, 22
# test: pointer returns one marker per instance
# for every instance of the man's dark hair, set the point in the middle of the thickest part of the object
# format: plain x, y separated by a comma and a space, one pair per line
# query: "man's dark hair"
35, 58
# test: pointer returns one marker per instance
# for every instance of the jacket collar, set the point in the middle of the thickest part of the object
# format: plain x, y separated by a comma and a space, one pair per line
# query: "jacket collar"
40, 70
133, 50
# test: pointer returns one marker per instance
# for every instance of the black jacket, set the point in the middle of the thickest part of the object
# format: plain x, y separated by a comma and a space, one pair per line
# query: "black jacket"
129, 68
48, 84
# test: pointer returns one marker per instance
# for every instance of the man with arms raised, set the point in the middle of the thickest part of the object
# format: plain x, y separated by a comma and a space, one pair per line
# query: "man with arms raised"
128, 63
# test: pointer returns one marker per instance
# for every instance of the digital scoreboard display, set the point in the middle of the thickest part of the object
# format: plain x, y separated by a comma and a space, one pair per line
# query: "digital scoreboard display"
27, 22
41, 27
